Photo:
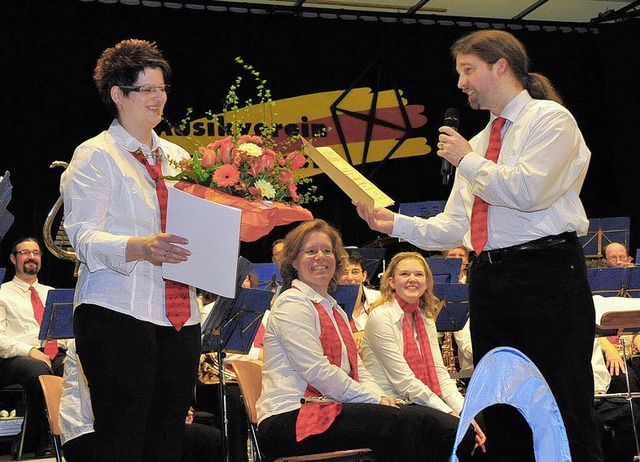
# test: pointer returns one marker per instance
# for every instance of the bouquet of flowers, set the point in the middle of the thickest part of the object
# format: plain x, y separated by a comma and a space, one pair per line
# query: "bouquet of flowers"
252, 172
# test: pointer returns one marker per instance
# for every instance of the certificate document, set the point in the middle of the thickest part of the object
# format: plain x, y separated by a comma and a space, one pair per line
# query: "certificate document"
213, 231
351, 181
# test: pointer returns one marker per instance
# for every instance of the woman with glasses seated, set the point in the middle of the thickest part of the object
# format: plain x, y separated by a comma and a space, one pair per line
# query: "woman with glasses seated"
316, 396
138, 335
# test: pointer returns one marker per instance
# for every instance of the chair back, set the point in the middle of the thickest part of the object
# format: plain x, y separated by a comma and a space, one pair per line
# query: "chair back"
52, 389
249, 375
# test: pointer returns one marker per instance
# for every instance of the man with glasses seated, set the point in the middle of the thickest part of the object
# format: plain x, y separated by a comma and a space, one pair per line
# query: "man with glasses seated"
354, 272
23, 358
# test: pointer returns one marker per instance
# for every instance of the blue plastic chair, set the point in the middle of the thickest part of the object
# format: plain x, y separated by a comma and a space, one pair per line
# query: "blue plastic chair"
507, 376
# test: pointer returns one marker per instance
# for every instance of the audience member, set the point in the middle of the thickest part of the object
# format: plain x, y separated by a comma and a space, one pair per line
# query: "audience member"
400, 347
138, 335
310, 357
276, 250
354, 272
22, 357
202, 443
616, 254
462, 337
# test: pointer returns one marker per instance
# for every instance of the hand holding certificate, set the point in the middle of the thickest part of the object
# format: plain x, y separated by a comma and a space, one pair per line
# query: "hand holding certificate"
352, 182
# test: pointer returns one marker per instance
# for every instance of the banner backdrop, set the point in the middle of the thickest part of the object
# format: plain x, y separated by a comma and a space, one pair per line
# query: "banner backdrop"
381, 88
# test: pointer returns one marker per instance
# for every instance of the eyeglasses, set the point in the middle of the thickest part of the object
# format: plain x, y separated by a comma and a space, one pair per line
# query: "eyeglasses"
312, 252
353, 272
35, 253
147, 90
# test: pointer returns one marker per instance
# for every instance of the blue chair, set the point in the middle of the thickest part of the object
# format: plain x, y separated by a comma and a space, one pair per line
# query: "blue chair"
506, 376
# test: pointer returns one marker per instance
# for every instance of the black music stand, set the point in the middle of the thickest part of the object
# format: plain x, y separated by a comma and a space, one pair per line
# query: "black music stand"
2, 273
603, 231
423, 209
615, 282
233, 322
347, 295
6, 218
57, 320
455, 311
373, 258
268, 275
445, 270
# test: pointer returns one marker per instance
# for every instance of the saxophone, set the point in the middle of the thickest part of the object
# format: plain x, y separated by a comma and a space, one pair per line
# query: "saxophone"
448, 358
59, 246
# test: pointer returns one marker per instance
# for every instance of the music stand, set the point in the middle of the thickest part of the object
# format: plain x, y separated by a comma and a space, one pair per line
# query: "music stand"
6, 218
615, 282
233, 322
423, 209
2, 273
603, 231
347, 295
373, 258
445, 270
268, 275
455, 311
57, 320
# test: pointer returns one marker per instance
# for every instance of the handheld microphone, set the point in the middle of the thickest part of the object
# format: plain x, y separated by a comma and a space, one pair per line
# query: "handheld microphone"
451, 119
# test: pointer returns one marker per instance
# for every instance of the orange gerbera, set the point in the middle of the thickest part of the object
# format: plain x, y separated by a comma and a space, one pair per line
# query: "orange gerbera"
226, 175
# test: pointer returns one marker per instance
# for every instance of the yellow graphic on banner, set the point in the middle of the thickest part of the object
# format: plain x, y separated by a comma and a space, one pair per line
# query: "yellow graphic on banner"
360, 125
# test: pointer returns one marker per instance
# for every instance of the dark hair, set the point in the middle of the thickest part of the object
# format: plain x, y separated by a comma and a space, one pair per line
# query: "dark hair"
293, 246
17, 242
355, 258
492, 45
122, 64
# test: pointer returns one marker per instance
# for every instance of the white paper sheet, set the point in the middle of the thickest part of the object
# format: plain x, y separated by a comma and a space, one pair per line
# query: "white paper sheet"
213, 231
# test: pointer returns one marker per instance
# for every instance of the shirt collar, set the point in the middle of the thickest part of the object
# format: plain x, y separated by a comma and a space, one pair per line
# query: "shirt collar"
312, 294
513, 107
131, 144
23, 285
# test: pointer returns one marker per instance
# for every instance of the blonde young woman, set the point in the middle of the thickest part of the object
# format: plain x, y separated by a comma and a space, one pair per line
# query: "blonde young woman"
400, 347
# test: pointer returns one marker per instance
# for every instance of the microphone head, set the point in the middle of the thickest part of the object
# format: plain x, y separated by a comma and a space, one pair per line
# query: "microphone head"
452, 117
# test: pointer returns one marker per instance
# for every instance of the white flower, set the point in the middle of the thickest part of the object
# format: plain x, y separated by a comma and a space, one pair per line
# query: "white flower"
252, 149
266, 189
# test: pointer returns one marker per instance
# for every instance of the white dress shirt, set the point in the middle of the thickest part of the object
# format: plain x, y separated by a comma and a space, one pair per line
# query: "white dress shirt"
532, 191
293, 357
382, 351
19, 329
109, 197
370, 296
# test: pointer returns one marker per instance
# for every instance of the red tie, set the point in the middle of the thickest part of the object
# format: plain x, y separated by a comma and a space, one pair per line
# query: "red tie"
51, 347
177, 304
420, 361
480, 207
315, 418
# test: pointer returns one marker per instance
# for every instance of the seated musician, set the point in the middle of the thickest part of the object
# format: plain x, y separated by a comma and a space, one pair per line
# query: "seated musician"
310, 354
400, 347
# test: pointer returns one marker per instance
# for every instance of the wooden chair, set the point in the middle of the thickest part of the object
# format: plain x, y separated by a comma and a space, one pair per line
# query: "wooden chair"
52, 389
249, 375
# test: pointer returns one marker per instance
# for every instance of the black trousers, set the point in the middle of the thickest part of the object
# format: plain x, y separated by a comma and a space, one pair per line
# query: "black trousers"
411, 433
202, 443
141, 378
25, 371
539, 302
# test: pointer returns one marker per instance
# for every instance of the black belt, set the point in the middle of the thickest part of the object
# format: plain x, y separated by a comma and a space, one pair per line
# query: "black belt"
548, 242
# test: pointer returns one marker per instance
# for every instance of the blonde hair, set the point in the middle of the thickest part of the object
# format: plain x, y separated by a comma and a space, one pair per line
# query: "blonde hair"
429, 304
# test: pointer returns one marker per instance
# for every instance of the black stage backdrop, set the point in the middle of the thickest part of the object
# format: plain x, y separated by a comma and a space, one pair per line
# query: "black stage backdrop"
49, 104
